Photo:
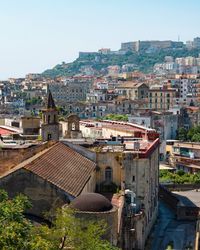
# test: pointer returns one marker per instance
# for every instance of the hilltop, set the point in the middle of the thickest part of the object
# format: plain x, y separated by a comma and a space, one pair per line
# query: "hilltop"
98, 62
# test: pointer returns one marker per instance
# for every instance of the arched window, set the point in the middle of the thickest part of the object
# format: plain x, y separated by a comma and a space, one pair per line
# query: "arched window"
73, 126
108, 174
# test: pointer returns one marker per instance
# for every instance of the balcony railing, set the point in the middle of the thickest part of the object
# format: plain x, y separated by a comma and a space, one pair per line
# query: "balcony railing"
186, 160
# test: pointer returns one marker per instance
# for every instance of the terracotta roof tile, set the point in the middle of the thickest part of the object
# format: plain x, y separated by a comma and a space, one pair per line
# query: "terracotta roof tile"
63, 167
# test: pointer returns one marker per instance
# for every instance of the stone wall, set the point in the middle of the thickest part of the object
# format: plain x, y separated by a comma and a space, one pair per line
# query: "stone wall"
109, 217
43, 195
187, 213
9, 158
51, 130
168, 197
112, 160
91, 184
181, 187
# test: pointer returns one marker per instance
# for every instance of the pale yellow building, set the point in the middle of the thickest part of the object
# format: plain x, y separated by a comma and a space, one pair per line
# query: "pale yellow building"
133, 90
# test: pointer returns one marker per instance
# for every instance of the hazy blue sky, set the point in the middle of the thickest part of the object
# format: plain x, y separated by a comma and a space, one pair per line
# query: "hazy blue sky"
38, 34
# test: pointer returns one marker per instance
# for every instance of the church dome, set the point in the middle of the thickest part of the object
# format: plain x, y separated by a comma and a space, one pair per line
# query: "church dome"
91, 202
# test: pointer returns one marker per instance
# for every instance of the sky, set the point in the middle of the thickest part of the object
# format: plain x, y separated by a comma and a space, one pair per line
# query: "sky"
35, 35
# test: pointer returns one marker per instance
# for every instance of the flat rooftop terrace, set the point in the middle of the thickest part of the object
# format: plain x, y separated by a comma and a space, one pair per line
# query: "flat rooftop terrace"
189, 198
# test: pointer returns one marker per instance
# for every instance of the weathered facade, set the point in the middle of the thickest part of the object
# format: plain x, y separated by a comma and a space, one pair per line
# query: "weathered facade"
50, 178
30, 125
136, 171
71, 127
43, 195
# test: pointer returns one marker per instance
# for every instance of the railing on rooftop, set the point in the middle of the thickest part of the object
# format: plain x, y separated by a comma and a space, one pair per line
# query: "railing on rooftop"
186, 160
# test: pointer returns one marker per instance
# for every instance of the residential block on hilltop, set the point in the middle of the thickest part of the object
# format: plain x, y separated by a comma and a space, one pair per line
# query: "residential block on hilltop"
142, 55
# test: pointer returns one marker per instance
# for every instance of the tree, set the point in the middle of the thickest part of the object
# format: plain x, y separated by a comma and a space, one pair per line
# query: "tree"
15, 229
66, 232
196, 137
179, 177
116, 117
70, 232
182, 134
194, 134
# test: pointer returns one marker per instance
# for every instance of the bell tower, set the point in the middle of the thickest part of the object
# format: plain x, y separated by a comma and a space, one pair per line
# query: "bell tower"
50, 124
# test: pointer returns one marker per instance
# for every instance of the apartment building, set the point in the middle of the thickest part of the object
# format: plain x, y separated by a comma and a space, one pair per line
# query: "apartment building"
70, 91
188, 90
186, 156
161, 98
133, 90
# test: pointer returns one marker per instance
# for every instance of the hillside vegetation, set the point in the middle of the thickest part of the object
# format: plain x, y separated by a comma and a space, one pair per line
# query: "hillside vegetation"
143, 61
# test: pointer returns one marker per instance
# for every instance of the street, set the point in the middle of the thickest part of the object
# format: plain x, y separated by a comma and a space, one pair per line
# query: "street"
181, 234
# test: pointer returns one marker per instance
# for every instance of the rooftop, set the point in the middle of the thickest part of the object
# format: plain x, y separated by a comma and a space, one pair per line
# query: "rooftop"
188, 198
191, 145
7, 130
61, 166
143, 149
117, 124
91, 202
129, 84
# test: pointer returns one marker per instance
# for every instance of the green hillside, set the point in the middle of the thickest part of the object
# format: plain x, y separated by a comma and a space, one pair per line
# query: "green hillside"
143, 61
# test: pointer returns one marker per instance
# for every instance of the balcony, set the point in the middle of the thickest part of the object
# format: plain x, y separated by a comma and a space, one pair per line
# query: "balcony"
187, 161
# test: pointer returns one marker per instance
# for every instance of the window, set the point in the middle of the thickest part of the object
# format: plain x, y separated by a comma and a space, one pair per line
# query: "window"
49, 117
133, 178
49, 137
108, 174
73, 126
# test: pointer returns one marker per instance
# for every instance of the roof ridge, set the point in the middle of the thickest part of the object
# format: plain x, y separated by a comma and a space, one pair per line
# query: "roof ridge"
60, 165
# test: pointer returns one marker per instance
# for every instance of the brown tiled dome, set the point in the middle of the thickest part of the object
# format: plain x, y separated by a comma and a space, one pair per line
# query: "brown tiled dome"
91, 202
